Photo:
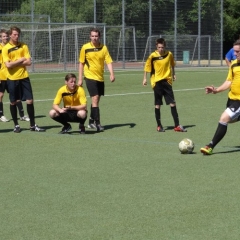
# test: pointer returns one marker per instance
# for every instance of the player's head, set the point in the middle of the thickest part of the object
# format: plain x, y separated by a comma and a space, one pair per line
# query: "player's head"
4, 36
14, 34
236, 48
160, 45
95, 35
70, 81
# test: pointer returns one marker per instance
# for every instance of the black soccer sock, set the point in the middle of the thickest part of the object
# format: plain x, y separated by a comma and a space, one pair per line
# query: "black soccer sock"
158, 116
96, 114
175, 115
13, 111
1, 109
20, 108
219, 134
91, 119
82, 120
31, 114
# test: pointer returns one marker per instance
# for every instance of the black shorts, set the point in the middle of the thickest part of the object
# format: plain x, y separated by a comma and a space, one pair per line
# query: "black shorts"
71, 116
163, 89
20, 90
3, 86
94, 87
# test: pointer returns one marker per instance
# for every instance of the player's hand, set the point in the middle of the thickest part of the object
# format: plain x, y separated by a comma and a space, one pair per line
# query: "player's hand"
209, 89
80, 82
144, 83
112, 78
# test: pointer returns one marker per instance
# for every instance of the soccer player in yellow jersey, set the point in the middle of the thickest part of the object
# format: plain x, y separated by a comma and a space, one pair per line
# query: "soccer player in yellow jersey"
92, 57
160, 64
232, 112
74, 105
16, 57
3, 81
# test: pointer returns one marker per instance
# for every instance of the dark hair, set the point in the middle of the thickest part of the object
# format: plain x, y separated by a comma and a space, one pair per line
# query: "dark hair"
3, 31
14, 28
95, 30
237, 42
70, 75
161, 41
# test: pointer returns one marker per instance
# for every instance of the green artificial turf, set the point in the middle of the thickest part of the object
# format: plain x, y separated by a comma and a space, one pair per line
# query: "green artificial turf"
128, 182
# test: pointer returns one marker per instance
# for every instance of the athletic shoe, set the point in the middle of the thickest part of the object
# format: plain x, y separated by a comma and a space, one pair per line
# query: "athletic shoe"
36, 128
100, 128
66, 129
25, 118
92, 126
180, 128
160, 129
82, 129
4, 119
17, 129
206, 150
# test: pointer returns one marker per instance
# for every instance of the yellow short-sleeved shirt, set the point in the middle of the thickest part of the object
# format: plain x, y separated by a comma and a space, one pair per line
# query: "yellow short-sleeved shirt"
78, 97
234, 77
94, 59
12, 53
160, 67
3, 69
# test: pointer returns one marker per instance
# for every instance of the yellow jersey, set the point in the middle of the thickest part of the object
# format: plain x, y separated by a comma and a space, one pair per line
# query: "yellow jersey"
3, 69
234, 77
12, 53
75, 98
160, 67
93, 59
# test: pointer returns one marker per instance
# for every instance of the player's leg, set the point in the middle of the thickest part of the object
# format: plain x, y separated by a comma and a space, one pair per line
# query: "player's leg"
228, 116
3, 85
27, 94
170, 100
82, 115
61, 118
13, 89
21, 111
158, 102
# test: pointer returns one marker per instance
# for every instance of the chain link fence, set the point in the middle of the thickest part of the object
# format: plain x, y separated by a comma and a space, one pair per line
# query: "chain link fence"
192, 29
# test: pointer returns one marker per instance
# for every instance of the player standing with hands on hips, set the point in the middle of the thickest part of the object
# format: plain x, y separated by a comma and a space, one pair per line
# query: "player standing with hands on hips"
232, 112
160, 64
16, 57
92, 57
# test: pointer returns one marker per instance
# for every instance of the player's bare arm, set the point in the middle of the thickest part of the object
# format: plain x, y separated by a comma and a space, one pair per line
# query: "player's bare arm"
144, 83
80, 75
110, 68
211, 89
12, 64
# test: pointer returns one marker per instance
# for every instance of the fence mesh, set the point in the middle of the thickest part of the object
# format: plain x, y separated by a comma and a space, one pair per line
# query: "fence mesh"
55, 30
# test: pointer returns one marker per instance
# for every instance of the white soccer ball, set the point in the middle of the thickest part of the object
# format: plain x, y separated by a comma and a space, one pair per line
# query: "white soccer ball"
186, 146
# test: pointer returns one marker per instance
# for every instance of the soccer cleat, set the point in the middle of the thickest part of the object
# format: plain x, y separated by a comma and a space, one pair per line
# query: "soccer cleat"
180, 128
4, 119
206, 150
92, 126
66, 129
17, 129
82, 129
100, 128
36, 128
160, 129
25, 118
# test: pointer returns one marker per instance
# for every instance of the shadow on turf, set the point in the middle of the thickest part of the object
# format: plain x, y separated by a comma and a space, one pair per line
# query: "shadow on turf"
185, 126
131, 125
229, 151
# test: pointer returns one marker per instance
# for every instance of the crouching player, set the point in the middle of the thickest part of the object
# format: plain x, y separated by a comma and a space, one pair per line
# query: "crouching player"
74, 105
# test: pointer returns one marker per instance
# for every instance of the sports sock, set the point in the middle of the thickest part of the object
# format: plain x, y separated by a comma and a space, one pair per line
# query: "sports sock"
13, 111
175, 115
31, 114
158, 116
20, 108
96, 114
1, 109
82, 120
219, 134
